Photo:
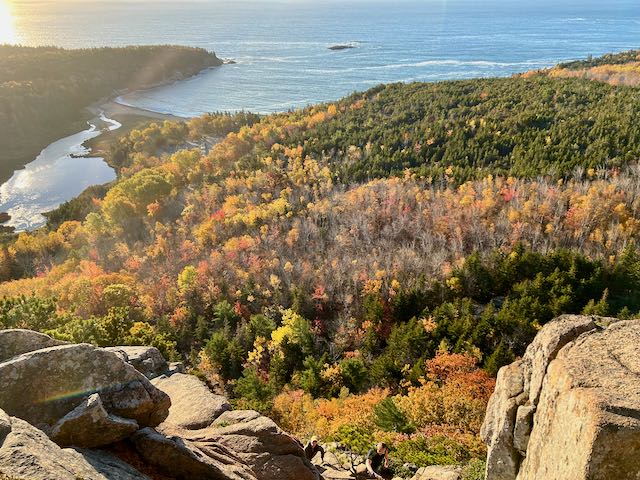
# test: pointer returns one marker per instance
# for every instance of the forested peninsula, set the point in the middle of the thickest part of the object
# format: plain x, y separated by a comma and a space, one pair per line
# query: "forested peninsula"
44, 91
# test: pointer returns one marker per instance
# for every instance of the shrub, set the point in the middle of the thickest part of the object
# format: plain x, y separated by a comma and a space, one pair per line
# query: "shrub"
253, 393
29, 312
295, 412
354, 374
454, 392
358, 439
225, 355
424, 451
390, 418
474, 470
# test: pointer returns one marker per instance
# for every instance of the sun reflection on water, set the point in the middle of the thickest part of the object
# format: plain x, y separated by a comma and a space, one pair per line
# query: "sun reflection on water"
7, 30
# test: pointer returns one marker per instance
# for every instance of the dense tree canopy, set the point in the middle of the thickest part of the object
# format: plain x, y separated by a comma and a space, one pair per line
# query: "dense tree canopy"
621, 58
471, 129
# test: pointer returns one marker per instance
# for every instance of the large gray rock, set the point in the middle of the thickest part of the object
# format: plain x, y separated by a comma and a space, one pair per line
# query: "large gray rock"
16, 342
498, 427
147, 360
587, 422
331, 473
176, 367
109, 465
43, 386
546, 346
581, 408
436, 472
522, 428
208, 440
27, 453
270, 453
5, 426
89, 397
183, 459
232, 417
89, 425
193, 405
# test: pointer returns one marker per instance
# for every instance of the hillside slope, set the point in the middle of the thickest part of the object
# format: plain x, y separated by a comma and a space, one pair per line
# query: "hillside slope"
394, 248
614, 69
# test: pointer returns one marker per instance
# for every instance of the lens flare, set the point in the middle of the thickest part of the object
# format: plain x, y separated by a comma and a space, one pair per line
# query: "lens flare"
7, 31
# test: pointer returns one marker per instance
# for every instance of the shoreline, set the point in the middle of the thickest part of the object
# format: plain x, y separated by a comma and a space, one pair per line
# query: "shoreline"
112, 120
107, 113
103, 114
112, 105
129, 118
116, 110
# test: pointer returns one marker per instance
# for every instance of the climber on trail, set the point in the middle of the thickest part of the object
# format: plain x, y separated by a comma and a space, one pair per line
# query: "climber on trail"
378, 462
312, 448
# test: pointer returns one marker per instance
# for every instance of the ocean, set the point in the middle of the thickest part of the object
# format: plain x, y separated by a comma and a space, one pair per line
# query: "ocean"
281, 47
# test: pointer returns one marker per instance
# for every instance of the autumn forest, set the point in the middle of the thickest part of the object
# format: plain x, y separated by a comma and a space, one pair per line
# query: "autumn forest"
361, 269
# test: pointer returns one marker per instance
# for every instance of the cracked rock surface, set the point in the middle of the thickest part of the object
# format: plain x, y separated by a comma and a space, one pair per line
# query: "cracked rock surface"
101, 403
27, 453
15, 342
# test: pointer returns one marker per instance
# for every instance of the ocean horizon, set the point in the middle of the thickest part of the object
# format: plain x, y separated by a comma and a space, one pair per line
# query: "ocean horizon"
281, 48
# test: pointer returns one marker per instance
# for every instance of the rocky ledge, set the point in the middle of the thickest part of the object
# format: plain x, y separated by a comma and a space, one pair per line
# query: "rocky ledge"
570, 408
70, 411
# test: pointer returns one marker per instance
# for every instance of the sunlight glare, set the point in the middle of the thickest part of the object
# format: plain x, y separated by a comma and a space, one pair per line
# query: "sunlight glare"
7, 32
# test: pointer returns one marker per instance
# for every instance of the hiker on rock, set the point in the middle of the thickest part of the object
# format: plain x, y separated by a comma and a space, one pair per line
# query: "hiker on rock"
312, 448
378, 462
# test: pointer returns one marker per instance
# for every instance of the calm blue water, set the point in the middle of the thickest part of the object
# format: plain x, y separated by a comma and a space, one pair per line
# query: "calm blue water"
281, 47
61, 172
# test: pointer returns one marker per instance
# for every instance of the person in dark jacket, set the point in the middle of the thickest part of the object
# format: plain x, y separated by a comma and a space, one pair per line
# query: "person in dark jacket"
312, 448
378, 462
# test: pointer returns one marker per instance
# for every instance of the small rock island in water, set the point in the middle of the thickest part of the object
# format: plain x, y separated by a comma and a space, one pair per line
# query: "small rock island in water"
341, 47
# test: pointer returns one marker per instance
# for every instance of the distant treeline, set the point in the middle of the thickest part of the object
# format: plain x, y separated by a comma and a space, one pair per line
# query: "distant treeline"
608, 59
620, 69
44, 90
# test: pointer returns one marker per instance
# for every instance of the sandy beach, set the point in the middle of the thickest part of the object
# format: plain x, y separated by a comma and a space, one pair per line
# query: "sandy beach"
113, 109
